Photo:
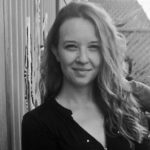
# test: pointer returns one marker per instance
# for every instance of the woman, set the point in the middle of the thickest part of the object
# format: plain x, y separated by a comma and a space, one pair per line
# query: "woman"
87, 101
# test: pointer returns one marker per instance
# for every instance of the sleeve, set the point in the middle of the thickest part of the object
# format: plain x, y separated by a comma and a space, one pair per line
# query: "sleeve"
143, 146
35, 136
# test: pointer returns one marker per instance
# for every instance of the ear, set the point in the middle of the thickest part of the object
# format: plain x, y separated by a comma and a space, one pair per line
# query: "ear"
56, 54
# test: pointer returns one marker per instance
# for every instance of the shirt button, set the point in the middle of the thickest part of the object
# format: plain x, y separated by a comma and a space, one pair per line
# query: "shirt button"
87, 140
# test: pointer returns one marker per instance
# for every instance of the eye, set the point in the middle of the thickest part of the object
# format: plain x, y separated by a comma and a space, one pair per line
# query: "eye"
71, 47
94, 47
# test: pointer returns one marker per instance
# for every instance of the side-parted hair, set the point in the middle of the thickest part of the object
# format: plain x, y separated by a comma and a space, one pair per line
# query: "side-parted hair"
113, 93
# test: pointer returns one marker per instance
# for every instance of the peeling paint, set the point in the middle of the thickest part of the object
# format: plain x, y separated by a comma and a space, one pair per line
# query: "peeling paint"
33, 55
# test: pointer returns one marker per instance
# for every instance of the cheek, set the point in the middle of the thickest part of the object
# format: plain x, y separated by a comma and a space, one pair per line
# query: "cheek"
66, 59
96, 60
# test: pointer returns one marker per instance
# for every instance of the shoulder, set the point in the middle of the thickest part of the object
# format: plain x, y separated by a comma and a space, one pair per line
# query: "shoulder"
39, 129
145, 145
43, 115
121, 142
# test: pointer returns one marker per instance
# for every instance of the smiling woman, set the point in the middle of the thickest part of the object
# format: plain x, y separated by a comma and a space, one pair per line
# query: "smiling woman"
88, 103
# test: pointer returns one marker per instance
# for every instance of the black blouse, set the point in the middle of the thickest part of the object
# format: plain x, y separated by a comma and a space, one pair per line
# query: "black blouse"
51, 127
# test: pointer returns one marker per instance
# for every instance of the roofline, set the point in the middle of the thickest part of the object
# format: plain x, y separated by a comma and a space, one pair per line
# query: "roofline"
135, 30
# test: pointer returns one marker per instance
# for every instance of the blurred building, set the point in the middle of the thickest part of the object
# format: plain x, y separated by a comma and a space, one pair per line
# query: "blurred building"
132, 21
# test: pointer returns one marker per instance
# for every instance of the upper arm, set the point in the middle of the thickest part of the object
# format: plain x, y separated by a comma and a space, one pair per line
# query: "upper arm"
35, 136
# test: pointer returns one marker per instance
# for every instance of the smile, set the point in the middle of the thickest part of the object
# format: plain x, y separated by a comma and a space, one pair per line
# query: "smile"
81, 69
81, 72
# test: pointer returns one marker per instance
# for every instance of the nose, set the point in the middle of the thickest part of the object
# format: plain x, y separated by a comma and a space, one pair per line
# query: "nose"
82, 55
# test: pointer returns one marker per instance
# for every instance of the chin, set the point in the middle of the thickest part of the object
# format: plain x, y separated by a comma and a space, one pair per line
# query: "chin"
82, 83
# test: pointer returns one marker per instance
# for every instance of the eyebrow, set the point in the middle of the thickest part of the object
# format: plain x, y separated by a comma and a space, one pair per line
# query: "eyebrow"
75, 42
69, 42
94, 42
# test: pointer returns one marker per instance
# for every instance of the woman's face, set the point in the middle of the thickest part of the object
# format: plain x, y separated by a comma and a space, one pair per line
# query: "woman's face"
78, 52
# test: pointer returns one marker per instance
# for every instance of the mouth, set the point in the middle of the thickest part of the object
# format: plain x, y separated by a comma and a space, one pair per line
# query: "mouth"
82, 69
81, 72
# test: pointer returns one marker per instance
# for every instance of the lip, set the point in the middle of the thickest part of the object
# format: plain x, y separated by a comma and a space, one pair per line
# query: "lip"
81, 69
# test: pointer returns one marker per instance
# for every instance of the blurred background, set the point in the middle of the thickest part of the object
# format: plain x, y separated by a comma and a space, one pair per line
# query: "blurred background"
24, 26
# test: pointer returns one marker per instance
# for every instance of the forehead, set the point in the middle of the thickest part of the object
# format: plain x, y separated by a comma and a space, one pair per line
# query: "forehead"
77, 28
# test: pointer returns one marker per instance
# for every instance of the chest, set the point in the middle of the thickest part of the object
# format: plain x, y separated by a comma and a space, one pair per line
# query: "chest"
87, 134
91, 122
74, 131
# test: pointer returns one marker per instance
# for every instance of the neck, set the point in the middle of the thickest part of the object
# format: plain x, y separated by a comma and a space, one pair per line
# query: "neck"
78, 95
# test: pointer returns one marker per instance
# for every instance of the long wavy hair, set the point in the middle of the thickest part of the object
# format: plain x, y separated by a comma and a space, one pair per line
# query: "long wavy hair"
112, 91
